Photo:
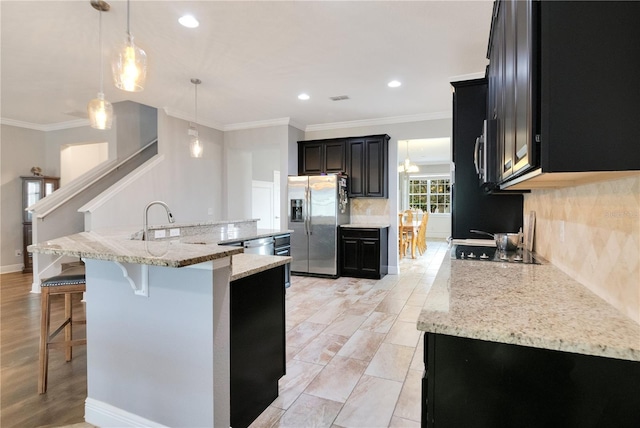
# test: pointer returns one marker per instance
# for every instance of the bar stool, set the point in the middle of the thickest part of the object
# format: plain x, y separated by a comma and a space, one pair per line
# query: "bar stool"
70, 281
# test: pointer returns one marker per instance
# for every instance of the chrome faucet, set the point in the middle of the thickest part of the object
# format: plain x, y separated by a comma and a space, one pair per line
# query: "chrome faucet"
145, 220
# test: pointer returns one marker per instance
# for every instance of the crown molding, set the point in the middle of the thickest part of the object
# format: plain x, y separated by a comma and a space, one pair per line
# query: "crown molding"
380, 121
470, 76
189, 118
78, 123
258, 124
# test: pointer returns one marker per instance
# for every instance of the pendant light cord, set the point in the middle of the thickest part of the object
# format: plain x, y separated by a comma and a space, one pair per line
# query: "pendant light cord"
101, 59
196, 103
128, 19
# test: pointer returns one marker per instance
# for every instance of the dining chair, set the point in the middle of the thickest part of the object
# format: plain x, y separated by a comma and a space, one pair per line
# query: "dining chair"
422, 234
403, 240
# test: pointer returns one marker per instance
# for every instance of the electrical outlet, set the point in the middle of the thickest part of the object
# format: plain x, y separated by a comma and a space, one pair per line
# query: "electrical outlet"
161, 233
18, 253
174, 232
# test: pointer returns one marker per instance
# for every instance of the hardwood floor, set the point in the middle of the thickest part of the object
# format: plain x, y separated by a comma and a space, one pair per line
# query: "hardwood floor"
20, 404
351, 344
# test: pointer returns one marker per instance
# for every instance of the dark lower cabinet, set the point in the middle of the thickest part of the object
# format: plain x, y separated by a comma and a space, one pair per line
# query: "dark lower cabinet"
481, 384
258, 358
363, 252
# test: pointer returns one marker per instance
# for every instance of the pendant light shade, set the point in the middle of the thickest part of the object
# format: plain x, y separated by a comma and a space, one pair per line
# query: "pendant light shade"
129, 64
100, 111
195, 145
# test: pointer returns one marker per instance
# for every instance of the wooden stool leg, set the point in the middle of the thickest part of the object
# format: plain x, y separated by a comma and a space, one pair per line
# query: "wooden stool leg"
44, 338
68, 331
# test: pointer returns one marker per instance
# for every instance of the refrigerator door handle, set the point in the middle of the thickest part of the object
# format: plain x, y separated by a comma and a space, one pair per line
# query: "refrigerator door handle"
309, 232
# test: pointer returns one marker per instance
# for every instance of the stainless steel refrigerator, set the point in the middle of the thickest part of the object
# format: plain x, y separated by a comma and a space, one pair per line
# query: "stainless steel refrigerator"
317, 205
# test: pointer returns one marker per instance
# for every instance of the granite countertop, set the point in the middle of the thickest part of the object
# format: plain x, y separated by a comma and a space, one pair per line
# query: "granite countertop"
243, 265
116, 246
365, 226
530, 305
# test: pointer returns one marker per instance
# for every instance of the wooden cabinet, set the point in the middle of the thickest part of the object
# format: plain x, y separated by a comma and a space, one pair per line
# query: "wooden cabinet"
472, 207
258, 354
363, 159
560, 89
368, 166
321, 157
363, 252
34, 188
475, 383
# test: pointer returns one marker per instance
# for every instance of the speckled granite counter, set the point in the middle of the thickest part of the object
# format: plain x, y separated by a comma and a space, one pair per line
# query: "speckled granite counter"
244, 265
530, 305
118, 247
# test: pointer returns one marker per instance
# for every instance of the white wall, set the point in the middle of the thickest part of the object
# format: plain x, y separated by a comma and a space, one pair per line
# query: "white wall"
20, 149
76, 159
252, 154
191, 187
397, 131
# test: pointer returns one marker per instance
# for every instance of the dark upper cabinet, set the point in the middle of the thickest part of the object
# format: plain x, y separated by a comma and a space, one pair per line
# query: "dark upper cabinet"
363, 159
321, 157
368, 166
472, 207
563, 79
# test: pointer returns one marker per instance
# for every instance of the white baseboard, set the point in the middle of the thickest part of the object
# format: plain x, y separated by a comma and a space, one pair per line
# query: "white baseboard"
11, 268
105, 415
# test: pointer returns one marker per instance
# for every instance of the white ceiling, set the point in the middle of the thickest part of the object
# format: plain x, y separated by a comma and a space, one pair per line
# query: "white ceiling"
253, 58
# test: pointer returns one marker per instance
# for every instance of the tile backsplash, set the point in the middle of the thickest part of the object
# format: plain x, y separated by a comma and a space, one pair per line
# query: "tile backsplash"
369, 210
592, 232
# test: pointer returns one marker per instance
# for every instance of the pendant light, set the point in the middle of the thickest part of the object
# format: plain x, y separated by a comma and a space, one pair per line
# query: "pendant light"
195, 145
129, 64
100, 111
407, 166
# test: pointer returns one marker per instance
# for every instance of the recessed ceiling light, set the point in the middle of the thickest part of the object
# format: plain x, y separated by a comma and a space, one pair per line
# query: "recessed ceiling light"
394, 84
188, 21
303, 97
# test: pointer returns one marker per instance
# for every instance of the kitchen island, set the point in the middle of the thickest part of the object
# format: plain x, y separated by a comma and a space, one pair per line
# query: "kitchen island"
525, 345
158, 327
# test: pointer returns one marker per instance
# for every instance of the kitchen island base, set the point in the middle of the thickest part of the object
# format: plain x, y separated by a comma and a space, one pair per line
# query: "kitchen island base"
161, 360
477, 383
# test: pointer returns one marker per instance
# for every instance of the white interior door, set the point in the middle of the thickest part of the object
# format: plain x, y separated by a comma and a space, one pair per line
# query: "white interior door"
262, 203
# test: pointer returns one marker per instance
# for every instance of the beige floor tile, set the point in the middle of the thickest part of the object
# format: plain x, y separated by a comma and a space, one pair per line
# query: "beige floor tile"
303, 333
268, 418
410, 313
291, 352
391, 362
408, 406
321, 349
371, 403
403, 333
397, 422
362, 345
361, 308
299, 376
379, 322
391, 306
417, 363
417, 298
374, 295
329, 312
345, 325
337, 380
309, 411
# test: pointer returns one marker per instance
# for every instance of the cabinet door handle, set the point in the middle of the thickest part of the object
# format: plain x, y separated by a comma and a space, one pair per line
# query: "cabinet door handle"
476, 154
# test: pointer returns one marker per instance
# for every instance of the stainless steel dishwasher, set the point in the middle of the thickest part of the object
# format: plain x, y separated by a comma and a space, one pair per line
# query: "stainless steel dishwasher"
262, 246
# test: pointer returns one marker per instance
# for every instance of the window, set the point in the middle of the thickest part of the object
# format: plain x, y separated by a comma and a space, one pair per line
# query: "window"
432, 195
